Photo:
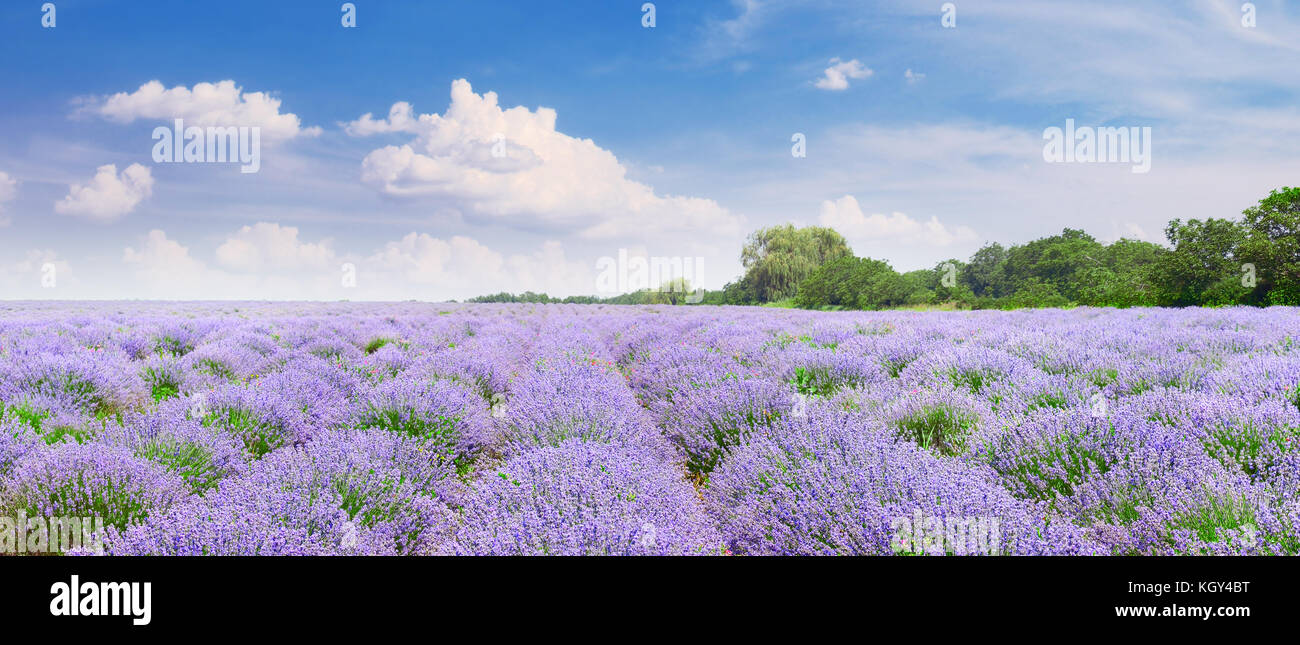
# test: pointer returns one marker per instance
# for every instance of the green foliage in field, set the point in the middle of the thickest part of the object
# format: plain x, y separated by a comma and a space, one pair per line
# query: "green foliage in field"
941, 428
1212, 262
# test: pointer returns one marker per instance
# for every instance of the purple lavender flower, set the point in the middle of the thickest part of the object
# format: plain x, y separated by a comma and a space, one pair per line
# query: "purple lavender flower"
91, 480
829, 483
583, 498
708, 422
369, 493
450, 420
405, 428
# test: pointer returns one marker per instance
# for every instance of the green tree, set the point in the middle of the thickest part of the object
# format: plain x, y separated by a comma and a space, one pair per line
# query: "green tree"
918, 287
777, 259
1035, 293
954, 290
1056, 260
1203, 266
1272, 244
985, 272
852, 283
1127, 278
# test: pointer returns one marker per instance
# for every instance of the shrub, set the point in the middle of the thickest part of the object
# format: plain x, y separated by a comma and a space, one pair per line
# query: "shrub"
707, 423
91, 480
582, 498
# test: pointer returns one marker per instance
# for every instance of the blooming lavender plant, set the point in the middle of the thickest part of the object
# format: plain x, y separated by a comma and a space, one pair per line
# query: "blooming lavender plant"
90, 480
410, 428
342, 494
447, 418
582, 498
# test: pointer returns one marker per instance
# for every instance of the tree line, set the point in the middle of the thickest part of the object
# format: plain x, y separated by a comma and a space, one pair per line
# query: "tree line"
1212, 262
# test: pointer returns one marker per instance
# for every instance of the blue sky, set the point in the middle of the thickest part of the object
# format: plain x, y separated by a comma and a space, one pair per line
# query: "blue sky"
923, 142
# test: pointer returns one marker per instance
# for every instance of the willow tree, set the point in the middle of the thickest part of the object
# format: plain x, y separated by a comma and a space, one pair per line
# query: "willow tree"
777, 259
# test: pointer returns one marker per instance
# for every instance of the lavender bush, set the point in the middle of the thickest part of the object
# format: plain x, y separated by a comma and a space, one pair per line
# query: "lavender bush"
418, 429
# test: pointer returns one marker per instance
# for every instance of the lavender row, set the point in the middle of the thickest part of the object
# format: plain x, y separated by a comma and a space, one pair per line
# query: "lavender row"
258, 428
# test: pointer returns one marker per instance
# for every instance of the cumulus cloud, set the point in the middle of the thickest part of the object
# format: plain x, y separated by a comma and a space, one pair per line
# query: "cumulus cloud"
163, 260
109, 195
512, 164
222, 104
462, 267
269, 247
836, 77
400, 119
895, 235
913, 77
270, 261
8, 189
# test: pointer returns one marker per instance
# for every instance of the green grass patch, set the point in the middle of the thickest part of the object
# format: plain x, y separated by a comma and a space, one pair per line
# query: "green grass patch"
1247, 449
942, 429
192, 462
971, 379
24, 414
1101, 377
377, 344
216, 368
894, 367
1048, 400
439, 429
1053, 469
1214, 521
815, 381
258, 436
163, 384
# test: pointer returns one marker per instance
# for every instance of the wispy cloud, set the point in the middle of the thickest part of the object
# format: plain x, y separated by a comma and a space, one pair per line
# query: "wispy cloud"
8, 189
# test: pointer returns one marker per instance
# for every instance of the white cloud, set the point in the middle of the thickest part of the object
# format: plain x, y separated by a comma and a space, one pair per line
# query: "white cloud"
166, 269
109, 195
8, 189
25, 278
268, 261
268, 247
399, 119
836, 77
462, 267
163, 260
722, 38
1181, 76
913, 77
207, 104
895, 236
514, 165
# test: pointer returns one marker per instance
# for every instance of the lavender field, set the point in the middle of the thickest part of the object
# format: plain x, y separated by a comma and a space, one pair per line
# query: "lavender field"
271, 429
